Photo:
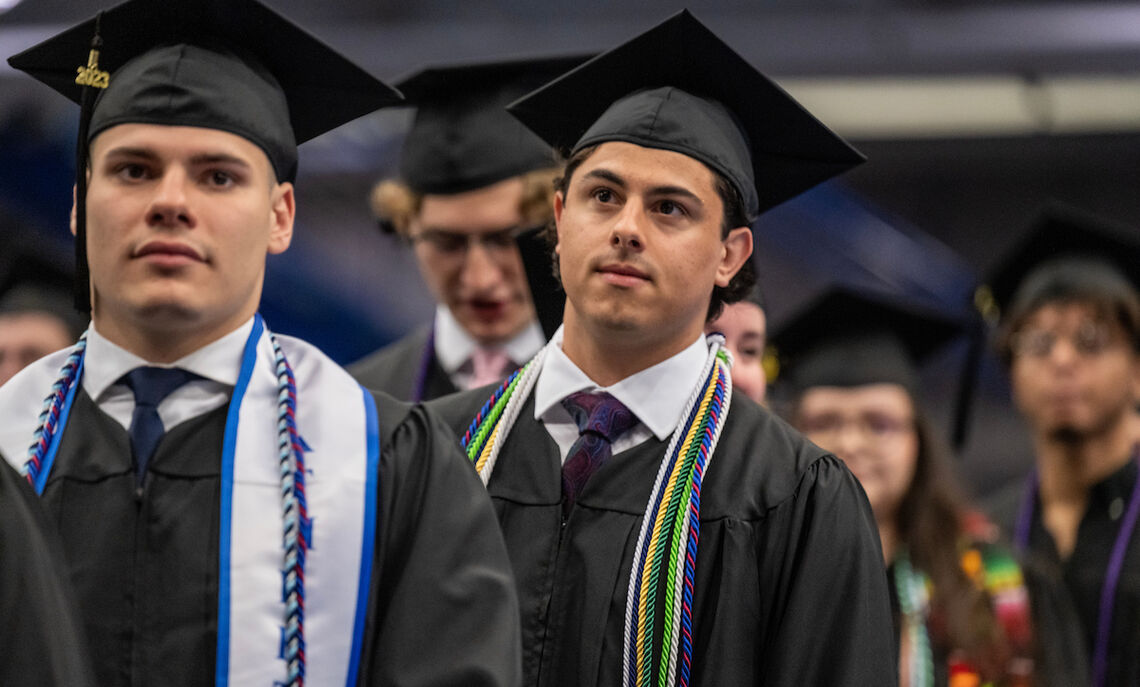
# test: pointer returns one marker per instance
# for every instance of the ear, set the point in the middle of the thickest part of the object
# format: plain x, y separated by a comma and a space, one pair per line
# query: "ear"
737, 248
281, 215
73, 221
558, 205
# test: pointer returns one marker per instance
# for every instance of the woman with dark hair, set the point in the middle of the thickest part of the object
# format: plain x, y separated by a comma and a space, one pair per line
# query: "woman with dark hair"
962, 606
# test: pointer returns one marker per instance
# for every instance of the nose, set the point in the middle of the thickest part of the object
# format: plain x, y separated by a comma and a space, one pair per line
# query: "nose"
847, 441
169, 207
481, 272
1064, 352
627, 233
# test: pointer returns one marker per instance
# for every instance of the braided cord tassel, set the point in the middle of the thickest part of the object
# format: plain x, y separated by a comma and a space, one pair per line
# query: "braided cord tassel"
678, 482
291, 454
52, 407
710, 436
481, 427
497, 415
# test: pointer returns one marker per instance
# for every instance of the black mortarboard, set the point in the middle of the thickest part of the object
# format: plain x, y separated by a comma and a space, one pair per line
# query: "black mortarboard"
233, 65
1090, 253
462, 137
678, 87
852, 338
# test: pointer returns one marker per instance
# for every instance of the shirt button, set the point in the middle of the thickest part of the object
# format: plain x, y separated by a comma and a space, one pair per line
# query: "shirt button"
1116, 508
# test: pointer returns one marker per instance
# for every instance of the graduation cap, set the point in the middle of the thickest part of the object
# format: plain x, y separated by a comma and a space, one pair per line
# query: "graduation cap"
232, 65
1090, 254
679, 87
462, 137
851, 338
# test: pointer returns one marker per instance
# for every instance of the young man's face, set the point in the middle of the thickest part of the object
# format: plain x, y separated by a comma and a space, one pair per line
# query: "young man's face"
466, 250
179, 222
1074, 374
640, 245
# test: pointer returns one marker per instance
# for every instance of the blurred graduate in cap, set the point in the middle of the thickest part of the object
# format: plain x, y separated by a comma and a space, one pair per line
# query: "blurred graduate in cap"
962, 606
1070, 335
37, 313
472, 181
663, 528
230, 500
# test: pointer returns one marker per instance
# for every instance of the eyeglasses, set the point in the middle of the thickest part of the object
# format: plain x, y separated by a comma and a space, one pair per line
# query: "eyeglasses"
455, 244
1091, 339
870, 426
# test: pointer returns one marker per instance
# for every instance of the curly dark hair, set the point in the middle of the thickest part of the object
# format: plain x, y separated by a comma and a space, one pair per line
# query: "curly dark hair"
735, 216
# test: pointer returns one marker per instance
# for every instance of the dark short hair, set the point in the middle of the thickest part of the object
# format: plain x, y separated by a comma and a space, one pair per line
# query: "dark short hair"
735, 216
1072, 280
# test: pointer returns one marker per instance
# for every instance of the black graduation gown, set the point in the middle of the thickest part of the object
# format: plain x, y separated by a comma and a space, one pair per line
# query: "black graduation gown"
394, 368
1083, 573
145, 565
41, 638
790, 584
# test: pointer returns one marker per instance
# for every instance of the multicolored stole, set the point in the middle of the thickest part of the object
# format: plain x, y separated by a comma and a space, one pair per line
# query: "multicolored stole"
664, 565
298, 515
992, 570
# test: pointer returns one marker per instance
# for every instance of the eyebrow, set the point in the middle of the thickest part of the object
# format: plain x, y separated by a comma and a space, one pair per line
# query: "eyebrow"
199, 159
607, 175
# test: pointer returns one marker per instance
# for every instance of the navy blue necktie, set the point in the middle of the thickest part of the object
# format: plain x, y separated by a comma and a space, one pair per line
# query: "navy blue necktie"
601, 418
150, 385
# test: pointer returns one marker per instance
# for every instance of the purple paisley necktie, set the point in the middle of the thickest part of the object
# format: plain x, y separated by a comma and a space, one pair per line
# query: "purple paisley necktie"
601, 418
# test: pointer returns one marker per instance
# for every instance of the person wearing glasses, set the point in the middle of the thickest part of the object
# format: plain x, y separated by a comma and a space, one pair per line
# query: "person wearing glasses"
964, 613
471, 180
1070, 337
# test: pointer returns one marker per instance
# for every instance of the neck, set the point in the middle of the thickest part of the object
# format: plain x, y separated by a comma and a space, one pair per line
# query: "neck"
165, 344
608, 357
889, 538
1068, 469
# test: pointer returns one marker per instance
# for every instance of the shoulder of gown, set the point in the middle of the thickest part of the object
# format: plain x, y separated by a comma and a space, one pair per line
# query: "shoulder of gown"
393, 368
444, 608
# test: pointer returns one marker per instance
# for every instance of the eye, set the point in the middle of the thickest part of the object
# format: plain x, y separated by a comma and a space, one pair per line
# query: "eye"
220, 178
668, 207
131, 171
603, 195
750, 352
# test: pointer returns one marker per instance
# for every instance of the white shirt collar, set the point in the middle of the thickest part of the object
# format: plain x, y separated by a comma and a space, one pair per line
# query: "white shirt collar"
105, 362
656, 395
454, 346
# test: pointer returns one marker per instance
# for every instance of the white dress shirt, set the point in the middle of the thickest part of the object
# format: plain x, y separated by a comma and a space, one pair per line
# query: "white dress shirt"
454, 346
656, 395
218, 364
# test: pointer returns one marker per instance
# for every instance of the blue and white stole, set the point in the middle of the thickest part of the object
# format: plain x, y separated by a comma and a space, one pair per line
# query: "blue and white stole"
341, 453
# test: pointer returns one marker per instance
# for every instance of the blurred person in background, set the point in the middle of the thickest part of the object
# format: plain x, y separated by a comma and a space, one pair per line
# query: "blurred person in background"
472, 179
37, 310
744, 327
962, 607
1070, 337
